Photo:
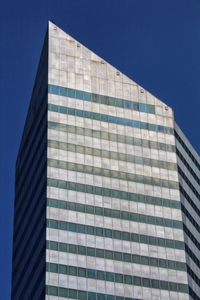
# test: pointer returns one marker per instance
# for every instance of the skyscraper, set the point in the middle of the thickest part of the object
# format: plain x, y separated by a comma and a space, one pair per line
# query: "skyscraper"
107, 187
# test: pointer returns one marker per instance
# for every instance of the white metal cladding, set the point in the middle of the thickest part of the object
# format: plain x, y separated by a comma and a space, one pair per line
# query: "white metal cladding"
80, 69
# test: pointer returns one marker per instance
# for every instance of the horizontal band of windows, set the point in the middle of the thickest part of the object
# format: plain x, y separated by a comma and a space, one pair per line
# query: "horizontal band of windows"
116, 277
111, 136
54, 163
187, 165
115, 255
110, 265
115, 234
177, 136
96, 98
114, 203
182, 174
193, 294
115, 244
112, 155
96, 190
191, 236
190, 218
109, 119
189, 200
192, 255
113, 213
82, 295
194, 276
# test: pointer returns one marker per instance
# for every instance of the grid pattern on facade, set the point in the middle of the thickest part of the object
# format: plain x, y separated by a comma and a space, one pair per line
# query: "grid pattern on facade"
114, 221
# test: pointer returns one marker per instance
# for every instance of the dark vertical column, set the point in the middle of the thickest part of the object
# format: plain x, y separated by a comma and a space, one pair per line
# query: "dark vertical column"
28, 275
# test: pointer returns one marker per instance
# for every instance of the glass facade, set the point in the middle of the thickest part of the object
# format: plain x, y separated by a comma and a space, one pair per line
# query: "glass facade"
107, 187
109, 118
29, 232
189, 176
81, 95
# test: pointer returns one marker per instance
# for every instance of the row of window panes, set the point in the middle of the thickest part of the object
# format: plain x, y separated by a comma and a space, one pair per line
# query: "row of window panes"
115, 255
187, 150
192, 255
115, 194
191, 236
96, 98
188, 166
109, 119
81, 295
193, 275
116, 277
115, 234
114, 213
188, 181
186, 197
189, 216
111, 136
112, 174
112, 155
193, 294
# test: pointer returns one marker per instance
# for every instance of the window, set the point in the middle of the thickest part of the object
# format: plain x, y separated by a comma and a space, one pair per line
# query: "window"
62, 269
53, 268
81, 272
63, 292
72, 271
52, 290
73, 294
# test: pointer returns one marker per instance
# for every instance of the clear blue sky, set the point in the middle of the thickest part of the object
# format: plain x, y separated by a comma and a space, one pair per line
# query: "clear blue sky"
156, 43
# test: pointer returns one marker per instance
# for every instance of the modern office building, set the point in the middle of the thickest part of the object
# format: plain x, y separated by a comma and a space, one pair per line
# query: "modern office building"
107, 200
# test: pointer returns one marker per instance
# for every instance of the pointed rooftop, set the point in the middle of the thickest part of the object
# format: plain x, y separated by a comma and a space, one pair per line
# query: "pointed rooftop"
68, 57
